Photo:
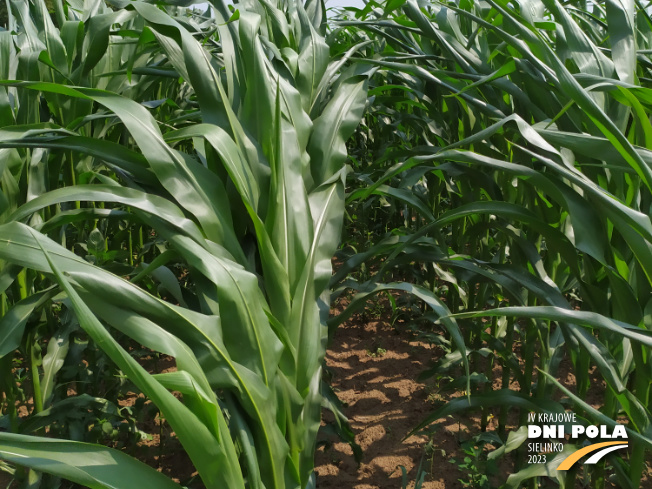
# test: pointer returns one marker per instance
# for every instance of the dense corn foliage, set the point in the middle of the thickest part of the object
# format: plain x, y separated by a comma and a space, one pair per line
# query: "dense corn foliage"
507, 148
173, 183
147, 139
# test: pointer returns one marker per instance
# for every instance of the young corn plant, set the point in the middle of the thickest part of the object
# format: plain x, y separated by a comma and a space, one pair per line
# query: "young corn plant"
240, 181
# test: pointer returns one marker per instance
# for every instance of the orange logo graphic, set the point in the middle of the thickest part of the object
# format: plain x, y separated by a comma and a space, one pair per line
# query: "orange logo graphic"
601, 450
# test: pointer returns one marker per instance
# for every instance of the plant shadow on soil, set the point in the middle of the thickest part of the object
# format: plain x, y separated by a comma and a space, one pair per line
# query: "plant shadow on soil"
374, 368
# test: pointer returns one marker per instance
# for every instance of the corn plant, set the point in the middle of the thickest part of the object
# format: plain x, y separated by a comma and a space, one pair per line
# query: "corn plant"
221, 138
508, 144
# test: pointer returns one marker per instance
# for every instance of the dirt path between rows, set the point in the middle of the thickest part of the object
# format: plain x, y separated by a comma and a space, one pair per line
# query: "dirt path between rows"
374, 370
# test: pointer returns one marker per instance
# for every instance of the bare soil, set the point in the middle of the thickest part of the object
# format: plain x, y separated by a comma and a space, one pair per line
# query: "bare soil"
374, 373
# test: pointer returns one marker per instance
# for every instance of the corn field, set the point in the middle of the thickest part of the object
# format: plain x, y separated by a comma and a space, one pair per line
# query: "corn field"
175, 180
